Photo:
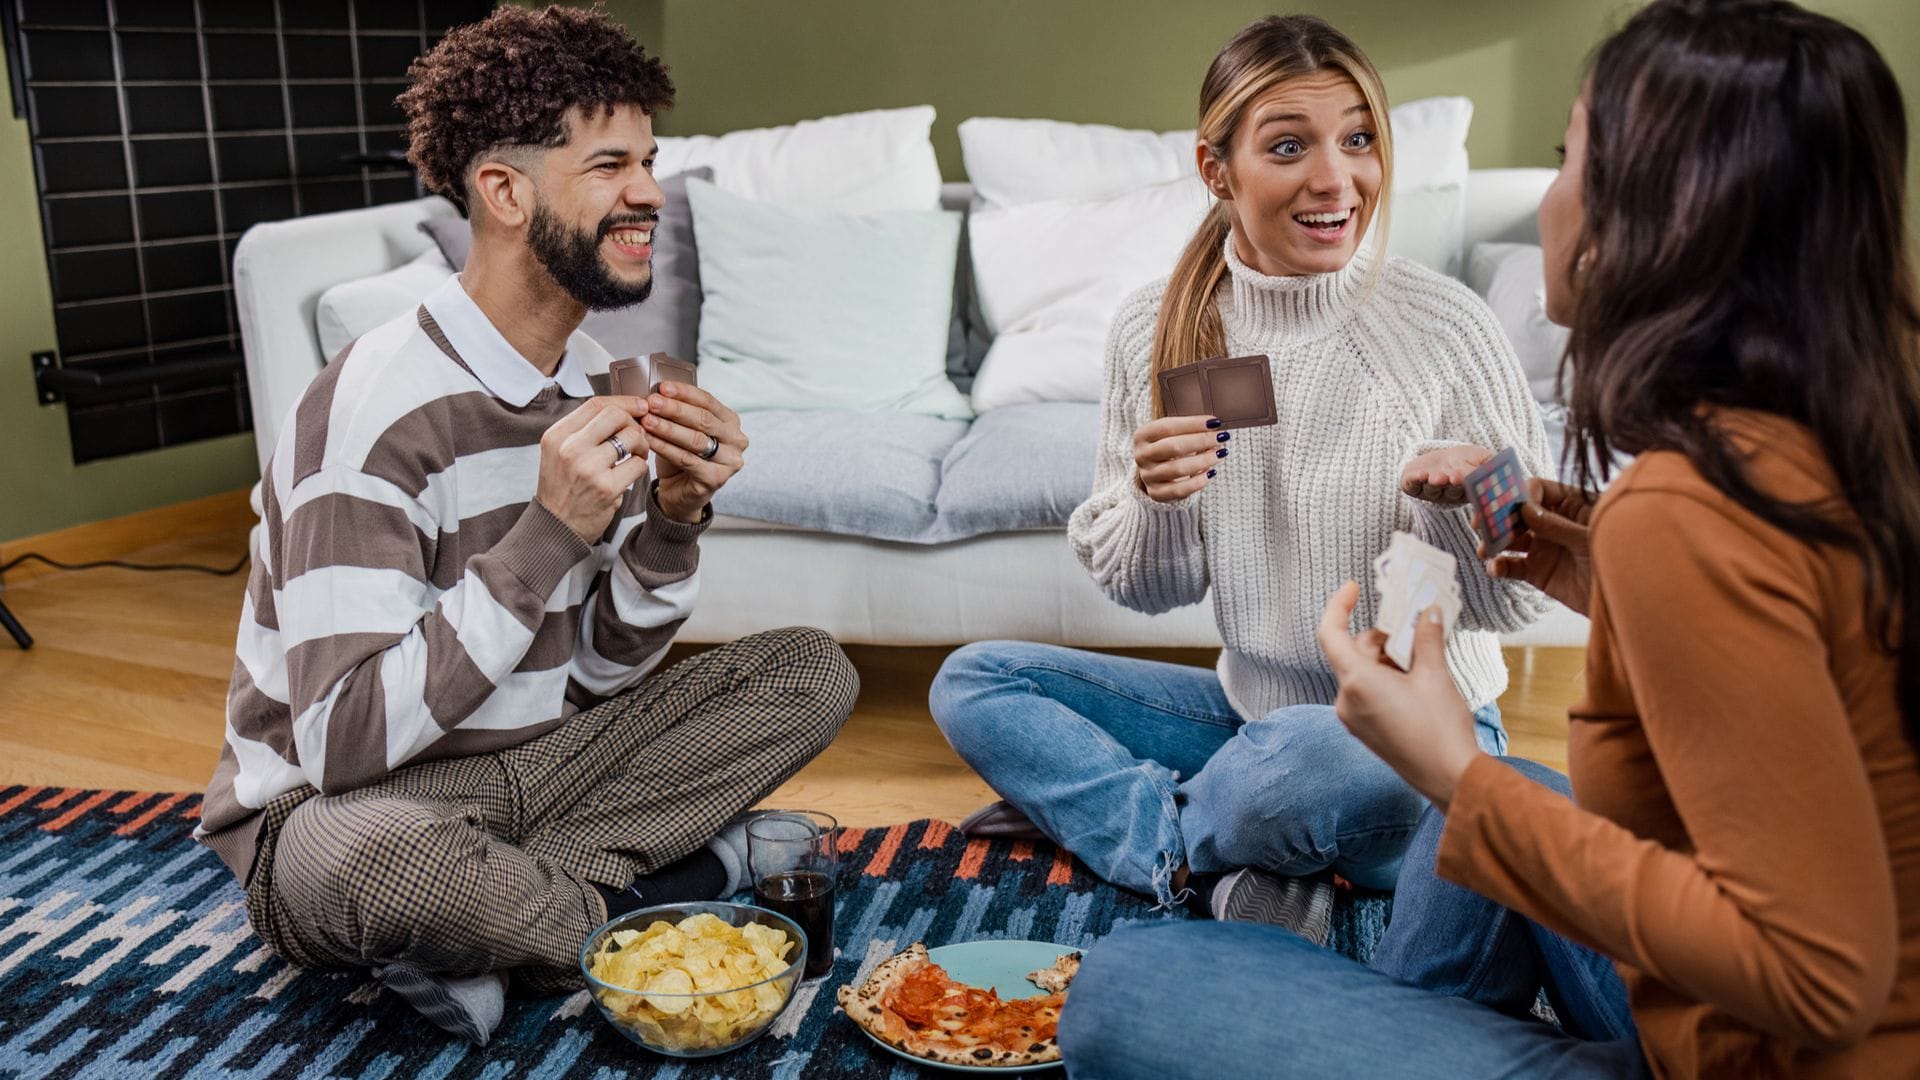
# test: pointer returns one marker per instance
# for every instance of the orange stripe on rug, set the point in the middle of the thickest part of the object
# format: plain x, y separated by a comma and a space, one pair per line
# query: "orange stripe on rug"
133, 799
889, 847
1062, 872
972, 860
935, 836
849, 839
1022, 851
78, 810
145, 819
193, 813
58, 797
20, 800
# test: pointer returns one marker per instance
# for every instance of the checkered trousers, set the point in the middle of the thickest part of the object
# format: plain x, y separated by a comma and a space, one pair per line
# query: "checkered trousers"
482, 863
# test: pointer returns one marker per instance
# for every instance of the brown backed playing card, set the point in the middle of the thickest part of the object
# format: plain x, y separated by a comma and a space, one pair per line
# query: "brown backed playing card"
1182, 392
1236, 389
671, 369
1239, 390
627, 377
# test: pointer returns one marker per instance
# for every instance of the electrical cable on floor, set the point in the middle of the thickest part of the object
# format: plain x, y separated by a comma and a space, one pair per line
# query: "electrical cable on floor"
58, 565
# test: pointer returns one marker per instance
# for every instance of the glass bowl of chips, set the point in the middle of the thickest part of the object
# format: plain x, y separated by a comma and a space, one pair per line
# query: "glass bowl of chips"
696, 979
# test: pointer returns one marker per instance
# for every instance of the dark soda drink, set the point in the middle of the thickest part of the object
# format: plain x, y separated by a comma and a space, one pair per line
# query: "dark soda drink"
805, 897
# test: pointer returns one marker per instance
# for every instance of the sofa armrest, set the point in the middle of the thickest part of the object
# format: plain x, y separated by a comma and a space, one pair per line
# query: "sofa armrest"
280, 268
1503, 206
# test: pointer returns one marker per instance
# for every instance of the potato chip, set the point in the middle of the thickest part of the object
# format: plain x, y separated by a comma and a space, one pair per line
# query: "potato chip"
690, 983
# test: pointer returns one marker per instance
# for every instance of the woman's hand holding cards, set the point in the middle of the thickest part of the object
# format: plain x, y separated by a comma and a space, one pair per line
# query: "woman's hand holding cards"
1553, 553
1175, 456
1414, 720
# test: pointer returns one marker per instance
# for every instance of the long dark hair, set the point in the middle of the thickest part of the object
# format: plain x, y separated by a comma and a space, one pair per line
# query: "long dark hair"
1745, 246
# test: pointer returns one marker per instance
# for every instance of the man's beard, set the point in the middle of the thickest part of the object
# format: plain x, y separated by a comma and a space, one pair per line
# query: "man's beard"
572, 257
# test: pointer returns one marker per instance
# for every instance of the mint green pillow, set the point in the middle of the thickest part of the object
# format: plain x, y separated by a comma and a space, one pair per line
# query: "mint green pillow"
825, 311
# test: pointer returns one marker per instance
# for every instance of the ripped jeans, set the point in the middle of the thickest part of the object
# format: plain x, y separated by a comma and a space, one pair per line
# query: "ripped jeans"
1138, 766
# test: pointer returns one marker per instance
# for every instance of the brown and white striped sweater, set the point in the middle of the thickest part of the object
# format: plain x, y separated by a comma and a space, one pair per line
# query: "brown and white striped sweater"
409, 599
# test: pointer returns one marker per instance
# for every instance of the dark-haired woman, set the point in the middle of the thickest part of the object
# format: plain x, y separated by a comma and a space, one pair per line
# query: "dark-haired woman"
1727, 242
1230, 787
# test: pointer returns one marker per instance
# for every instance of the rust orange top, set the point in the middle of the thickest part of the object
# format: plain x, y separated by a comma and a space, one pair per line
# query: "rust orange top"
1745, 841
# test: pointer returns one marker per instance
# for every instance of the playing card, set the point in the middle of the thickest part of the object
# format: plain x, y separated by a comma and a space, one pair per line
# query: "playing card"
671, 369
1498, 488
1238, 390
1410, 577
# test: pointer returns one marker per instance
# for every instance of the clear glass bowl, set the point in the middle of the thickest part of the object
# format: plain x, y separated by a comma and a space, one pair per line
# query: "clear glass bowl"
689, 1025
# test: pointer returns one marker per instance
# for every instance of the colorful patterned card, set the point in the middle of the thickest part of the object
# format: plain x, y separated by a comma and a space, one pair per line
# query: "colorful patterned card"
1498, 488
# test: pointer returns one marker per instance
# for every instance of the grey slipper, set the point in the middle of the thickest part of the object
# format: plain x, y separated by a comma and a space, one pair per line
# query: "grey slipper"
468, 1006
1001, 821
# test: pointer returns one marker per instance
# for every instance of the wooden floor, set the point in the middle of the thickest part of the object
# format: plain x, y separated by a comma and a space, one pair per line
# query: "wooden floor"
126, 682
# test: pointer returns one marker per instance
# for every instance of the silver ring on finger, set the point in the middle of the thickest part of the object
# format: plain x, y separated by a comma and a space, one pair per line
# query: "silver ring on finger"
713, 447
621, 455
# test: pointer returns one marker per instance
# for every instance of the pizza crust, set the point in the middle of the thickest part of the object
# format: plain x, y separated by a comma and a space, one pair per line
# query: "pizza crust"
1059, 976
866, 1006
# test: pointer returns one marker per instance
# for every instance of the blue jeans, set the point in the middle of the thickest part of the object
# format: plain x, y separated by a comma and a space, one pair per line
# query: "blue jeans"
1448, 996
1138, 766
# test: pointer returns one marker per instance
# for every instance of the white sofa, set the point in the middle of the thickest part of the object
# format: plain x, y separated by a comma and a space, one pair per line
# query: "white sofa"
1024, 584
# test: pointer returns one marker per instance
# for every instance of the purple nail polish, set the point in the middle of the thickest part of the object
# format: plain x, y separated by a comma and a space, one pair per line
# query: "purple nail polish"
1222, 452
1223, 436
1213, 423
1210, 473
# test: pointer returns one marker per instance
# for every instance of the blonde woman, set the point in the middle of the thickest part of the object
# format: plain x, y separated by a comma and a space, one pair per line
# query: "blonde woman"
1224, 788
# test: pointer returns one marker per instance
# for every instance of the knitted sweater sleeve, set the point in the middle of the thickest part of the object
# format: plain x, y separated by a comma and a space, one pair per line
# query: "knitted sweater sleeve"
1487, 404
1145, 555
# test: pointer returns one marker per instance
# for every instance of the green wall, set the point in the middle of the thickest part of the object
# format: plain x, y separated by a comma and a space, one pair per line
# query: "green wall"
750, 63
1138, 63
40, 487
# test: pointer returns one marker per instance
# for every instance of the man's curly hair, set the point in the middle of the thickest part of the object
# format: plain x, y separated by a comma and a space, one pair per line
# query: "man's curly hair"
509, 80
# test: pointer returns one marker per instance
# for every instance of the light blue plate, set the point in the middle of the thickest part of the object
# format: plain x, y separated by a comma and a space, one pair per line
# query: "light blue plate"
997, 965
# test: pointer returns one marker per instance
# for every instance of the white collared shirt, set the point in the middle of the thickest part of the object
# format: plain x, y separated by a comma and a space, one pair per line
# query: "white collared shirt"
510, 376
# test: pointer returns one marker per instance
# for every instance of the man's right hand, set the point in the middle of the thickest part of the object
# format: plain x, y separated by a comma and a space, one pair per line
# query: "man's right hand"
579, 481
1175, 456
1553, 554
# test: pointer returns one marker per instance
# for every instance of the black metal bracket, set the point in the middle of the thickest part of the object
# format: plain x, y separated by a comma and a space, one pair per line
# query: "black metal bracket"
54, 382
44, 365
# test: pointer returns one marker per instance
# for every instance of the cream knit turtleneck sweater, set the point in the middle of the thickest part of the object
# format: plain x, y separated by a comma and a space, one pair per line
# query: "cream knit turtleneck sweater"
1364, 380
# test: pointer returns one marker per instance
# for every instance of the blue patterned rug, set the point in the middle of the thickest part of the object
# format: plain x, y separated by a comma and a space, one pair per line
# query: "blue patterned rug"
125, 951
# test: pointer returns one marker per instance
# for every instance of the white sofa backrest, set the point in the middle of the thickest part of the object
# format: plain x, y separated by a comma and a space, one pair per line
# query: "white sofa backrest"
280, 269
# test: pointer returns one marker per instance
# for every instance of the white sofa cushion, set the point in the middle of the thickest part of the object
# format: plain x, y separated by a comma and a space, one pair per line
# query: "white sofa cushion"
1510, 277
352, 308
1073, 217
825, 311
856, 163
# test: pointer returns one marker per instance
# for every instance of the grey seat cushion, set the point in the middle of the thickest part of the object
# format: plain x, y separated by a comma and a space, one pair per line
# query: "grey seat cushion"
858, 474
915, 479
1019, 467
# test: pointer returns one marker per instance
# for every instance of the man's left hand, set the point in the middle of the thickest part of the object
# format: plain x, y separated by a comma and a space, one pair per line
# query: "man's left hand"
682, 423
1440, 476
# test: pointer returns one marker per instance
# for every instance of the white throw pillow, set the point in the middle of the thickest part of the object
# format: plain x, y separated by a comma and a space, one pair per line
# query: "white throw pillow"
1073, 217
352, 308
1050, 275
1010, 162
1511, 278
857, 163
825, 311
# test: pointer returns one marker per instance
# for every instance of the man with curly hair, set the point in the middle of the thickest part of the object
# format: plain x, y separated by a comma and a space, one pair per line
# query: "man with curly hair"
449, 755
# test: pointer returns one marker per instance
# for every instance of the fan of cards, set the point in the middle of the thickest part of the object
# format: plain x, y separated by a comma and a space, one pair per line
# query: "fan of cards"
1410, 577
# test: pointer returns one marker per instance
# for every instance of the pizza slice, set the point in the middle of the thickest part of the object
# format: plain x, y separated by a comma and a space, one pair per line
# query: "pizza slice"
910, 1002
